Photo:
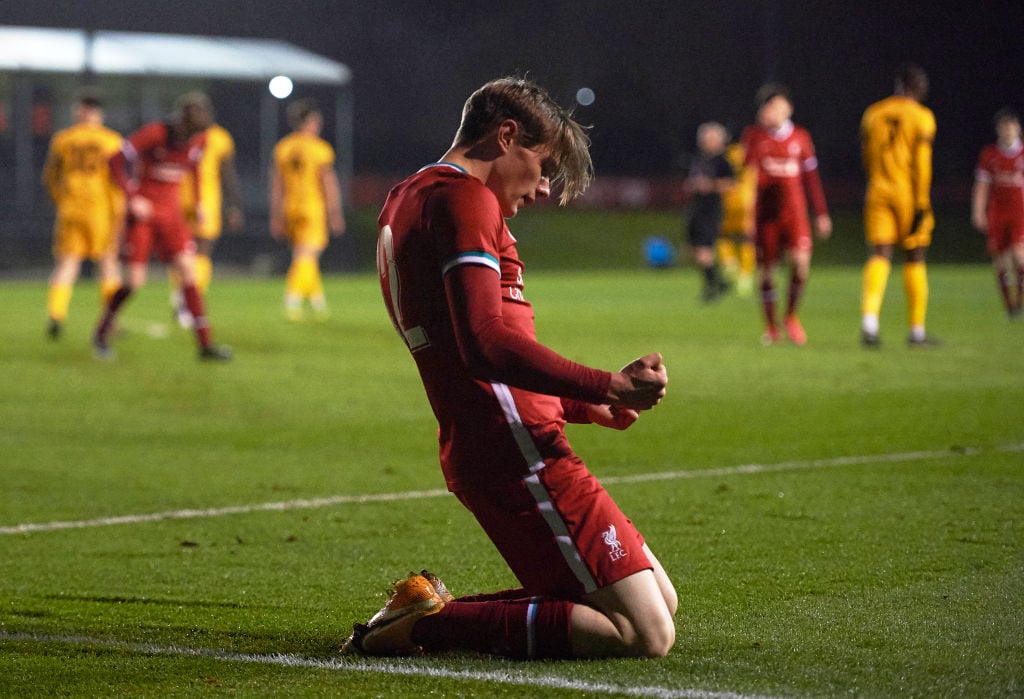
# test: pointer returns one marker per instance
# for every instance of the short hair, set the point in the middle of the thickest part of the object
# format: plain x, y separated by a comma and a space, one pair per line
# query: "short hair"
912, 80
194, 98
1005, 114
89, 98
766, 93
300, 110
709, 126
542, 123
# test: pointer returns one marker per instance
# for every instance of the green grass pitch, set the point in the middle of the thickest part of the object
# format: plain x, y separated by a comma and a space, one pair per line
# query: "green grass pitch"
838, 522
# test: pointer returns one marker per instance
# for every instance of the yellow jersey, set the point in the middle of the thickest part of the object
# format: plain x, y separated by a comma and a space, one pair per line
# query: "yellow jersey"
77, 170
738, 201
896, 139
219, 147
299, 159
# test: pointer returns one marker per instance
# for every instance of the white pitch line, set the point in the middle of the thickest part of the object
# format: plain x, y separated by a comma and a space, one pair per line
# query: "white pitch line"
307, 504
510, 674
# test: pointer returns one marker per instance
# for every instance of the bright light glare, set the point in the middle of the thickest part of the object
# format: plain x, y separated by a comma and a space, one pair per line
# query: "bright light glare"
585, 96
280, 86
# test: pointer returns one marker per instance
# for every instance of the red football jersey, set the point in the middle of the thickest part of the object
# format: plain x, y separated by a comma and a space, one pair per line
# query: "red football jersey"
786, 164
1003, 169
452, 282
158, 162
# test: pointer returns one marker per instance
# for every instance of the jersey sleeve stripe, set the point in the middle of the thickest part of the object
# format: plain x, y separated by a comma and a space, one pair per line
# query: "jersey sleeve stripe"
472, 257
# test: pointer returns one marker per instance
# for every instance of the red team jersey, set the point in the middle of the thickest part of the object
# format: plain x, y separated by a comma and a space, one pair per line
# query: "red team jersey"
159, 164
786, 164
439, 219
453, 284
1003, 170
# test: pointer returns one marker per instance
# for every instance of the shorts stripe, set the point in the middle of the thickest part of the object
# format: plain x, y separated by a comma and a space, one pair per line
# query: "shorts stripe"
539, 491
531, 628
563, 538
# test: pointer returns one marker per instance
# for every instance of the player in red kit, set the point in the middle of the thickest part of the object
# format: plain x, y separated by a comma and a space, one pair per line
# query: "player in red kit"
150, 168
997, 206
453, 284
782, 155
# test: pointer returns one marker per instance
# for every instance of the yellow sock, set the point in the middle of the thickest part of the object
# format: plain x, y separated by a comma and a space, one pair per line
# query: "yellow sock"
915, 278
107, 289
727, 255
174, 278
748, 258
308, 274
204, 272
316, 282
292, 282
58, 300
876, 276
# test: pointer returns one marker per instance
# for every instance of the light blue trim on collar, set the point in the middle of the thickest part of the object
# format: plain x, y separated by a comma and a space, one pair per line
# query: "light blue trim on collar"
444, 163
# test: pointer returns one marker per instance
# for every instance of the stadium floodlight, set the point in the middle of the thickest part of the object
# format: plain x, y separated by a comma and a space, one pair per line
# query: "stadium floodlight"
280, 86
585, 96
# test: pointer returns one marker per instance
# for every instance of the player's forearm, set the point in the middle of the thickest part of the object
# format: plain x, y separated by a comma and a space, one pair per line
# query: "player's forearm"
815, 192
923, 176
492, 351
231, 184
979, 201
119, 173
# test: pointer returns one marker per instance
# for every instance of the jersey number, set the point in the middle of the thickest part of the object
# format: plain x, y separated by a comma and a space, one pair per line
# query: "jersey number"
415, 337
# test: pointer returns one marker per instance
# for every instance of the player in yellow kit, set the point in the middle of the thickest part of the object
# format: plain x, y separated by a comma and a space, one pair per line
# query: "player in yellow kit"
219, 199
89, 205
896, 137
735, 247
305, 202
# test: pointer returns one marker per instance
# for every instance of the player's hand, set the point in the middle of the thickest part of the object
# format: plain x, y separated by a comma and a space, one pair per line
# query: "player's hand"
277, 227
980, 222
611, 416
235, 218
140, 207
336, 224
823, 224
640, 385
919, 217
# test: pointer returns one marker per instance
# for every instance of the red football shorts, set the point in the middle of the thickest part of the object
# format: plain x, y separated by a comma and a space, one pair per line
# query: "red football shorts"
773, 238
559, 531
1004, 232
166, 230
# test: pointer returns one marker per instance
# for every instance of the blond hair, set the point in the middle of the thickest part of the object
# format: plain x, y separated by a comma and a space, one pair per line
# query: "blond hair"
542, 123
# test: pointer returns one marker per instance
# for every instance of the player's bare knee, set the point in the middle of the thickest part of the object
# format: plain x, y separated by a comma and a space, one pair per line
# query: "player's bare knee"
655, 638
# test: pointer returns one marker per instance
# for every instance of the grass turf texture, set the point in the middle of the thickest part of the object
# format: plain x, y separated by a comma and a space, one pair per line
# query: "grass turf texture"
887, 578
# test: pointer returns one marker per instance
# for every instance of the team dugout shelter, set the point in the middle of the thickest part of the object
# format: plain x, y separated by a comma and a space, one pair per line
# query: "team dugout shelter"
43, 71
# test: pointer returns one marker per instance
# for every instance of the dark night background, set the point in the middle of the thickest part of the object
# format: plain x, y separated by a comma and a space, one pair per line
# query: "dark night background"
657, 68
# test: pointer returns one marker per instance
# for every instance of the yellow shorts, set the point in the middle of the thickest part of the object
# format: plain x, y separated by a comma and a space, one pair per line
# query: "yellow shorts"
307, 231
887, 221
83, 234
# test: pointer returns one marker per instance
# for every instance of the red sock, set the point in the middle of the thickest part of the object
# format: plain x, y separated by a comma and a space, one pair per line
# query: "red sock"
514, 593
768, 301
194, 302
796, 292
110, 313
524, 628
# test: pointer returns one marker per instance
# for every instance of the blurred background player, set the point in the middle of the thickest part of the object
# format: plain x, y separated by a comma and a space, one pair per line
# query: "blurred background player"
782, 156
896, 141
710, 175
305, 202
219, 199
150, 168
90, 207
735, 246
997, 206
